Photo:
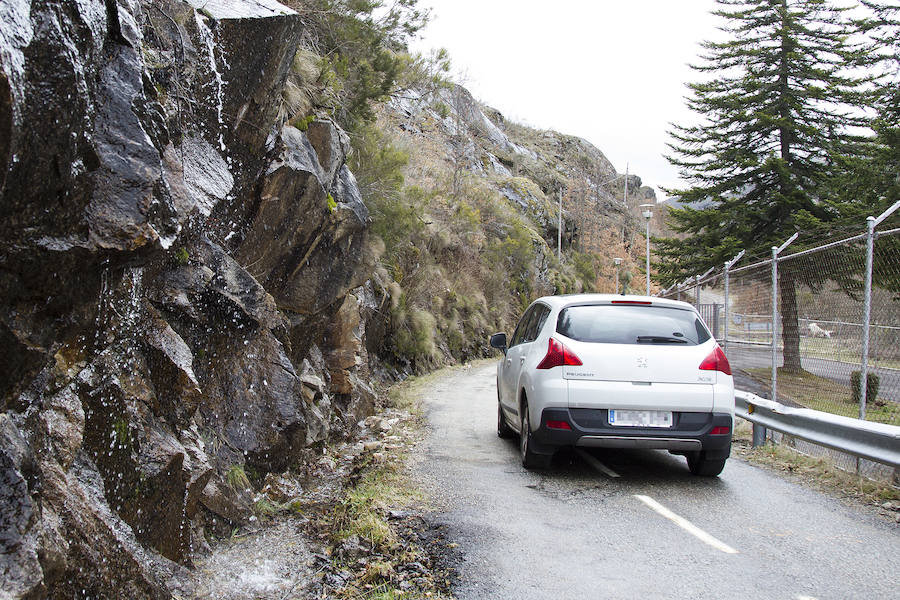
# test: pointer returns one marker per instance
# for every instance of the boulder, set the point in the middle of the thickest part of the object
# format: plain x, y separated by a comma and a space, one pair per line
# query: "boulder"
247, 100
256, 401
170, 365
20, 570
307, 244
331, 145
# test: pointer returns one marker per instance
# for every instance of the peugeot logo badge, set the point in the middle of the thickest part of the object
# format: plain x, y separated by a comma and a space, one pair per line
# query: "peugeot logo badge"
642, 362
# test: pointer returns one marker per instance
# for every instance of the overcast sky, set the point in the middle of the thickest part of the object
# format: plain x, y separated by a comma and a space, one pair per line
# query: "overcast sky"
612, 72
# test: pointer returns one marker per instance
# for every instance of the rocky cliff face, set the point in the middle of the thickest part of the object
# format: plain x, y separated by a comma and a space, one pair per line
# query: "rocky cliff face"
183, 283
187, 281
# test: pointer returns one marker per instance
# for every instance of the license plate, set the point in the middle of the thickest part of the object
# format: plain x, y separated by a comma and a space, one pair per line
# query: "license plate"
640, 418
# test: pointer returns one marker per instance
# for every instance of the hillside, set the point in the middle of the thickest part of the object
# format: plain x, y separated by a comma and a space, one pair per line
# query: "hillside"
486, 195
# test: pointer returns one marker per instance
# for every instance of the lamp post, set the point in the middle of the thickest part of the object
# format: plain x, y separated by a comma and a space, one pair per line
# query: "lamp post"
647, 213
618, 262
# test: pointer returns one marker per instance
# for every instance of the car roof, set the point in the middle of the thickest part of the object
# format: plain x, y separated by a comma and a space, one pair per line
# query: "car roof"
559, 302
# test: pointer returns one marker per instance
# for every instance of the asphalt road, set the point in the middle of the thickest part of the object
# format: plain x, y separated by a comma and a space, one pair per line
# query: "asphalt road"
575, 532
750, 357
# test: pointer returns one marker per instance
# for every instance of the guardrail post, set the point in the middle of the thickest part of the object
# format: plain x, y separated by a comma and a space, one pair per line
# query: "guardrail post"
759, 435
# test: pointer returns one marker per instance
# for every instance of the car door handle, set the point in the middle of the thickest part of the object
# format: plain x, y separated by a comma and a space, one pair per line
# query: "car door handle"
521, 360
508, 362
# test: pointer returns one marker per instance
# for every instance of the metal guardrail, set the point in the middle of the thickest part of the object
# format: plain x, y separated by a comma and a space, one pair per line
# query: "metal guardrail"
873, 441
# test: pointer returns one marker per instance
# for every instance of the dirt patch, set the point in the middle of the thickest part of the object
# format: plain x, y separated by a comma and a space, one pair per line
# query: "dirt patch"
347, 524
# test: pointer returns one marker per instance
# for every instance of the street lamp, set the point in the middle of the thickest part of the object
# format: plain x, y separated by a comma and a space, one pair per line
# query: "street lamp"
618, 262
647, 213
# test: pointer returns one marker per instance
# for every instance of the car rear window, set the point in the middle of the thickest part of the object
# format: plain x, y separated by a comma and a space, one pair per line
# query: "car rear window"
632, 324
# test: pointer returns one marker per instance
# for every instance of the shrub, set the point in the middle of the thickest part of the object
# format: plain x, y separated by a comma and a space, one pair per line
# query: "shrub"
873, 382
414, 338
237, 479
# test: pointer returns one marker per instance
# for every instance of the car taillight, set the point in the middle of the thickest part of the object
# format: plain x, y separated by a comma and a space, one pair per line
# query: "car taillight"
716, 361
558, 355
639, 302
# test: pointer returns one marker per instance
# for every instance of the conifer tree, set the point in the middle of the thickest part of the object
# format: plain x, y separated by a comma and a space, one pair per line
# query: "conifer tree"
777, 102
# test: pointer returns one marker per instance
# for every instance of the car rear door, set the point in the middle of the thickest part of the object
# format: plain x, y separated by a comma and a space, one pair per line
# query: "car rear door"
512, 364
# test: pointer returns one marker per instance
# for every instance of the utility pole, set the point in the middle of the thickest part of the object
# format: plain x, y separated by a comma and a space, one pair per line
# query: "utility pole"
647, 212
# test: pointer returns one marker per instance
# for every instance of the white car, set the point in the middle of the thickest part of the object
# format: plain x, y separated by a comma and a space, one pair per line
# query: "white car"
615, 371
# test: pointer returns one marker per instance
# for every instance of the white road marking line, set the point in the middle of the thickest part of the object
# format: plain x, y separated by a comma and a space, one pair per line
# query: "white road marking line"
806, 598
596, 463
686, 525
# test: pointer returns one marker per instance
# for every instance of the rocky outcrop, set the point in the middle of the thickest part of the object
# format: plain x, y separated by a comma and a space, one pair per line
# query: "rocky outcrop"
183, 286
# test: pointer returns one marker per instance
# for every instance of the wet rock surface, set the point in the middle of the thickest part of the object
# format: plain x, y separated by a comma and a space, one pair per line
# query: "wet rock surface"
182, 288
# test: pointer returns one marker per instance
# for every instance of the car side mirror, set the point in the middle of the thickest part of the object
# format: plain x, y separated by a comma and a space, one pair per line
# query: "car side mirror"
498, 341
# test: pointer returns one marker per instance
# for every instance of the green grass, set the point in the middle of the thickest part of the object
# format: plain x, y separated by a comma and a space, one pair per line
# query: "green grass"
364, 508
826, 395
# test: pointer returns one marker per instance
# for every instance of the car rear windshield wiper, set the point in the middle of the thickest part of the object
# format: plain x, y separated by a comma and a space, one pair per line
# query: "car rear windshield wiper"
660, 339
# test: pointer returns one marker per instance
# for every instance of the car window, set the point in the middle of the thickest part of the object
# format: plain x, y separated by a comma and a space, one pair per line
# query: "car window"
536, 323
519, 334
632, 324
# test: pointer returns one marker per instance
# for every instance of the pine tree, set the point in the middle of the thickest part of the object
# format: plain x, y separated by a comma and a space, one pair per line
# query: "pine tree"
777, 106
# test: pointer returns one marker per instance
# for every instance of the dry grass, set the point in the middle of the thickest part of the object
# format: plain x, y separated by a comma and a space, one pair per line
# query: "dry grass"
819, 393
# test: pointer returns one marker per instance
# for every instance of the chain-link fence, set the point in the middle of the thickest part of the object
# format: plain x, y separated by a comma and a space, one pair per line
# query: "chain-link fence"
807, 338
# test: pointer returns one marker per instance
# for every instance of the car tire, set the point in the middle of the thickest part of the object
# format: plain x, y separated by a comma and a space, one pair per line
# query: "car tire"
504, 431
530, 459
702, 466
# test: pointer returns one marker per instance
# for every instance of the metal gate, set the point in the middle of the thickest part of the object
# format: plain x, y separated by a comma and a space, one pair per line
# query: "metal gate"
710, 315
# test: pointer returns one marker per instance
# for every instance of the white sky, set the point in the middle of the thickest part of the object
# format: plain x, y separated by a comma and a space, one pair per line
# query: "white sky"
612, 72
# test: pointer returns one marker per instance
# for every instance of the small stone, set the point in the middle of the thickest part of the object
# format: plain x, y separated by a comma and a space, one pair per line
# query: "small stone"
371, 446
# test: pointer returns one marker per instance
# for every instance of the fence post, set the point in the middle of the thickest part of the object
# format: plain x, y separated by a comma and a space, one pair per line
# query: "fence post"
697, 291
725, 333
728, 265
776, 250
867, 311
871, 224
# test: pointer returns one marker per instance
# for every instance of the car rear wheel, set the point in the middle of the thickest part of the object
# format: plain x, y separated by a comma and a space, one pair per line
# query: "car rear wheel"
503, 429
705, 467
530, 459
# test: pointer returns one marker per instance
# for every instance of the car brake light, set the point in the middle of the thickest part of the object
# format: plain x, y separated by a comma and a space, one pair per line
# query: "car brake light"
644, 302
720, 430
716, 361
558, 355
558, 425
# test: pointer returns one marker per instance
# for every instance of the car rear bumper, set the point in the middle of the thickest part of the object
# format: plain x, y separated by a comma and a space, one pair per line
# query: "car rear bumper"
690, 432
